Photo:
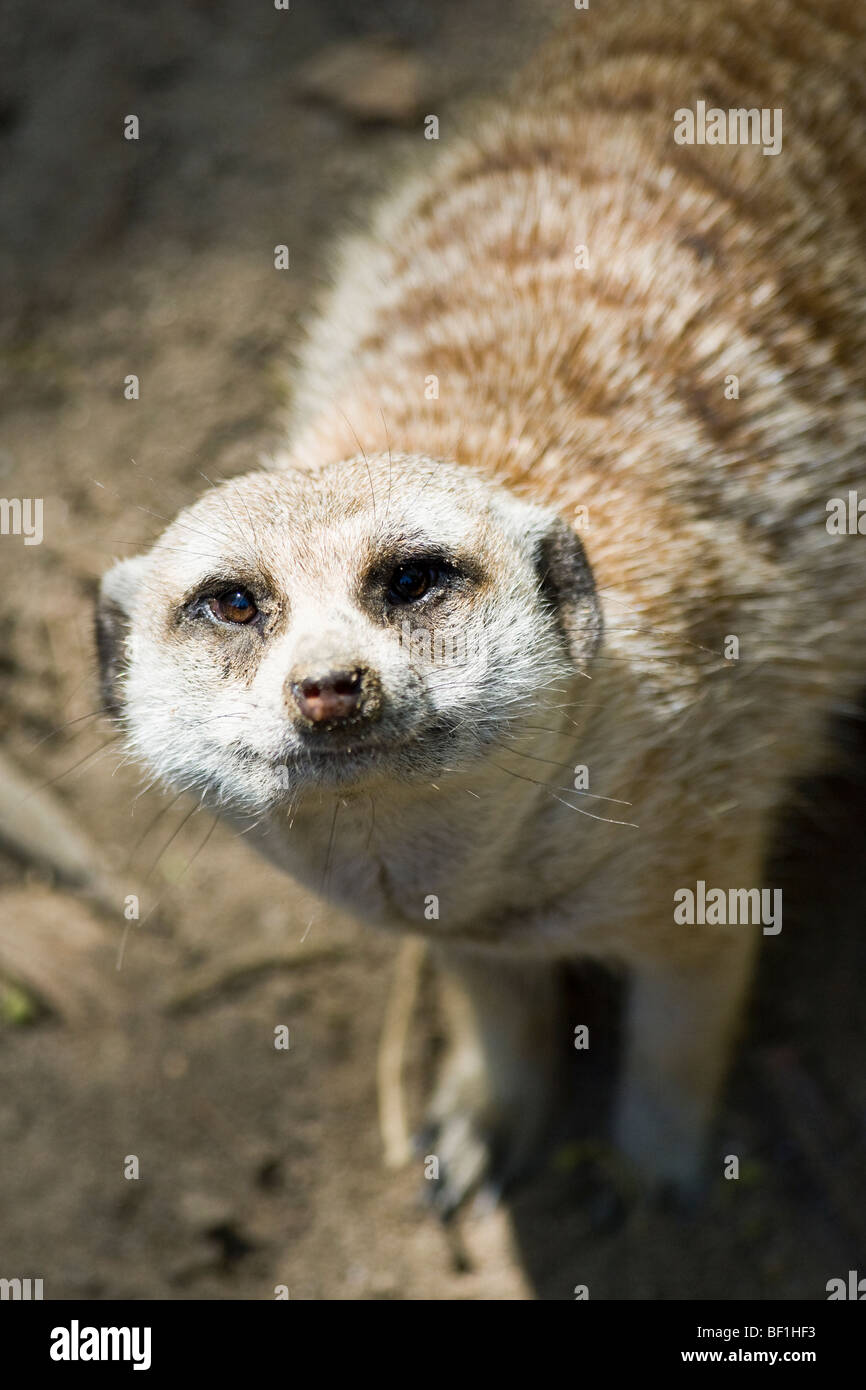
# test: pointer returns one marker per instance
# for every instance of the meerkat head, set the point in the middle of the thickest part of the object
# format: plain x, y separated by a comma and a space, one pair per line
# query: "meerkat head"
381, 618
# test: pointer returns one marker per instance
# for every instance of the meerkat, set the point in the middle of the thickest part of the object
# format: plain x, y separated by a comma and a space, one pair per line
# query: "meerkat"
525, 633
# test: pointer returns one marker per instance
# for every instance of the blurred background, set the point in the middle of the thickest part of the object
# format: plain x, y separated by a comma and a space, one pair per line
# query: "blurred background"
154, 1036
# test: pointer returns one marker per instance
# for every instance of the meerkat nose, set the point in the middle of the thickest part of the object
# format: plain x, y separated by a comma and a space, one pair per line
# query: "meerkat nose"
332, 698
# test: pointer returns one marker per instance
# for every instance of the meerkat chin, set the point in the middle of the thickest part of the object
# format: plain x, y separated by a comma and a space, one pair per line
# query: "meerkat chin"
549, 535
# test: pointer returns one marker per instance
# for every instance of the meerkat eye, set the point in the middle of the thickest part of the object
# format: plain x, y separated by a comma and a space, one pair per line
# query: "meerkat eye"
410, 582
234, 606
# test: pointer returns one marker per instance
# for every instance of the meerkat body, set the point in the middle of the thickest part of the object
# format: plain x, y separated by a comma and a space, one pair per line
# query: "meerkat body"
603, 386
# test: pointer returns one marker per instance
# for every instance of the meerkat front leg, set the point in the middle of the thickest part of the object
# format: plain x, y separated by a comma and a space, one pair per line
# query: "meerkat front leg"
680, 1025
493, 1095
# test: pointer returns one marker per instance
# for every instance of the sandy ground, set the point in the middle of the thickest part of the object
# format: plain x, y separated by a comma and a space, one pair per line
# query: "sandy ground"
261, 1167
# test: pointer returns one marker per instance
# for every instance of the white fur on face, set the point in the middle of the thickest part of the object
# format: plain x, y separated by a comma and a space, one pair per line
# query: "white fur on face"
206, 704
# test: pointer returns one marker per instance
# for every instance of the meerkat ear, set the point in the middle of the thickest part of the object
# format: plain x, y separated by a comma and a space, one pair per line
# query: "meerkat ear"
113, 620
567, 585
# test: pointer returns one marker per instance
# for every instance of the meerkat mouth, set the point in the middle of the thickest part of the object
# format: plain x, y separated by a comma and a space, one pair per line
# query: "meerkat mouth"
343, 758
347, 754
324, 759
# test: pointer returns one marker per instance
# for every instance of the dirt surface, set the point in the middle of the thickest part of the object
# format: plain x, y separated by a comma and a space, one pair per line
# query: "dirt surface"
262, 1167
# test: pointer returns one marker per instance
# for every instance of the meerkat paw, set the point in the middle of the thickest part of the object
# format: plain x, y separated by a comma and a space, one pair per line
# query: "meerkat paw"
475, 1144
459, 1162
664, 1148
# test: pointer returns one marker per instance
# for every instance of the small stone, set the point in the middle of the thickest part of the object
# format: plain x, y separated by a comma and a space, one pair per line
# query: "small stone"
205, 1211
368, 79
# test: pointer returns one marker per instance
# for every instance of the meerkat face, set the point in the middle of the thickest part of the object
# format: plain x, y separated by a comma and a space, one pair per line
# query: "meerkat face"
379, 618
